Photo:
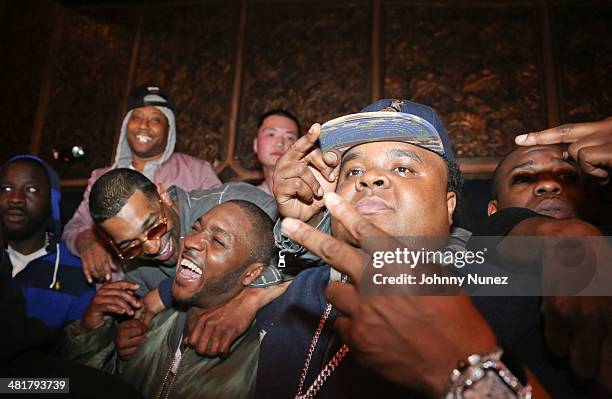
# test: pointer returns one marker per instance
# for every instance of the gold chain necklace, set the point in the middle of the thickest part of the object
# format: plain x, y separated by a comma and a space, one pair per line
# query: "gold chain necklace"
329, 367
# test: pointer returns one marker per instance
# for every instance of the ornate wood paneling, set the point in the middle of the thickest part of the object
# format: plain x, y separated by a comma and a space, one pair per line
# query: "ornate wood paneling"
584, 37
189, 51
88, 79
311, 59
477, 66
24, 47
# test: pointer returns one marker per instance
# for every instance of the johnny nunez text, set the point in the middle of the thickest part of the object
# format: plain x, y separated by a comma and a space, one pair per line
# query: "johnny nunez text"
435, 279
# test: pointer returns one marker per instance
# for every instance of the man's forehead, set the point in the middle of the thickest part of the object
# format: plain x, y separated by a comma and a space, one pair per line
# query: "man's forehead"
149, 109
538, 156
228, 216
280, 123
35, 173
390, 149
139, 204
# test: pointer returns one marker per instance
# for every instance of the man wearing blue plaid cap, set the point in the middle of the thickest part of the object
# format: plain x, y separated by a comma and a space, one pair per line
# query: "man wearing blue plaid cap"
385, 172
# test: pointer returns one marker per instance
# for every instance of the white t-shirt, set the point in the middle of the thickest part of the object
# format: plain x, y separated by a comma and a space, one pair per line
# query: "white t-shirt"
20, 261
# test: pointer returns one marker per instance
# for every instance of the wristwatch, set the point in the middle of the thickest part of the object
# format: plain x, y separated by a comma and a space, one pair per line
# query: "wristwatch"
493, 374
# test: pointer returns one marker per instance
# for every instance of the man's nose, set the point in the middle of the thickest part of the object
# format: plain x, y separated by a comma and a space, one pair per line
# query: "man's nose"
280, 142
547, 185
372, 180
195, 241
143, 123
152, 247
16, 197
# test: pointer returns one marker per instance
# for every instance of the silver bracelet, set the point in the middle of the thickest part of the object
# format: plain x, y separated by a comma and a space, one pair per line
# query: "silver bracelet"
486, 376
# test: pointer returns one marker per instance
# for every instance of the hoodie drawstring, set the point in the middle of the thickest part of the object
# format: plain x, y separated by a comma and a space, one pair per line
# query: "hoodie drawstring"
57, 261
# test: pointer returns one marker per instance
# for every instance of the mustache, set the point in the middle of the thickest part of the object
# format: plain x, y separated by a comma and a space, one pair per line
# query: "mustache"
14, 208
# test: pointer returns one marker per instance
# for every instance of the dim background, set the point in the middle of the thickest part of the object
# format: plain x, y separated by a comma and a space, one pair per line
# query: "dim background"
491, 69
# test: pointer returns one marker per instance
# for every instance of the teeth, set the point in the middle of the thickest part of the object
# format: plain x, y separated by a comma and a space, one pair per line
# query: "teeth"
164, 249
143, 139
191, 266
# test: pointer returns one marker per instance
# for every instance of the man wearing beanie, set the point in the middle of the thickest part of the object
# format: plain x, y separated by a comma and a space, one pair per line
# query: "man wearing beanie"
146, 144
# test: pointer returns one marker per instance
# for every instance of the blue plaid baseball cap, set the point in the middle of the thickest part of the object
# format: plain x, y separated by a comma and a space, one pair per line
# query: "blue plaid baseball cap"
387, 120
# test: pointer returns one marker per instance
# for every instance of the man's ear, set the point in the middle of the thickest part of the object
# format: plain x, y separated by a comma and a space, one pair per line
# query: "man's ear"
163, 194
255, 145
253, 271
451, 204
492, 207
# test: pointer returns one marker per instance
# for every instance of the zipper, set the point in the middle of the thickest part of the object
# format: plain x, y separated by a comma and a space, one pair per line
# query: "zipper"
166, 377
281, 259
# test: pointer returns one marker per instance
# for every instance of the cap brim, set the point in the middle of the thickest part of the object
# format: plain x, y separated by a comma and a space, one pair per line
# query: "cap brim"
348, 131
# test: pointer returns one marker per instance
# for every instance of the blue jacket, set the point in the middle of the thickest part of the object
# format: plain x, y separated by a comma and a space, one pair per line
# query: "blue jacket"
53, 285
289, 323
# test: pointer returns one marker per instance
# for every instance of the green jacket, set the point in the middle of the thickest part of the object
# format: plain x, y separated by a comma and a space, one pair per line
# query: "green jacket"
196, 376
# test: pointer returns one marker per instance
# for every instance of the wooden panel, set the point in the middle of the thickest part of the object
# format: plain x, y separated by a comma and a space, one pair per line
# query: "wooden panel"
478, 66
313, 60
88, 78
24, 44
188, 51
584, 37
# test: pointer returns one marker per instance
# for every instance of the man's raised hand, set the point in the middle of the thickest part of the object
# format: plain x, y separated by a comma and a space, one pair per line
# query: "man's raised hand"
302, 175
590, 145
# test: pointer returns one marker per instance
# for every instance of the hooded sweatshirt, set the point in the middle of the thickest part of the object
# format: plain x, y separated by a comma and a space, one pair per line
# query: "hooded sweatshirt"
53, 284
173, 168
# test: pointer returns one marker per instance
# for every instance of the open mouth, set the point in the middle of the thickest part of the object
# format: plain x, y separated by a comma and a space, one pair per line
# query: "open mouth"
188, 270
166, 252
143, 138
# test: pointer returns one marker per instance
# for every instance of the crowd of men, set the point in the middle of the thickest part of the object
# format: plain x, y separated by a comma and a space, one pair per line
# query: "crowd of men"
168, 283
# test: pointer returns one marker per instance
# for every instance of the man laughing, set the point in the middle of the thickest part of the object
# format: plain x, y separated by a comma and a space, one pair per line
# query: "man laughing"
226, 250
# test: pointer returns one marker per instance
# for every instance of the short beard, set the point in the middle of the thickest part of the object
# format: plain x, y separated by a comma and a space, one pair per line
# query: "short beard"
28, 230
216, 288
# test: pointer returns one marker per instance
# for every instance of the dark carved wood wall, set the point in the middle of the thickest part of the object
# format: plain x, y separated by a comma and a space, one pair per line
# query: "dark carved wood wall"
477, 66
490, 69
